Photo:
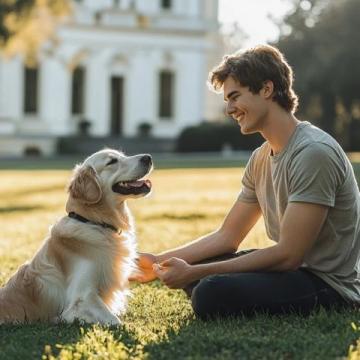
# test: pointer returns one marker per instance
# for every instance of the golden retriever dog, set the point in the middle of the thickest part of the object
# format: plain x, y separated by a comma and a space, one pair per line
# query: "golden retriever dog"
81, 271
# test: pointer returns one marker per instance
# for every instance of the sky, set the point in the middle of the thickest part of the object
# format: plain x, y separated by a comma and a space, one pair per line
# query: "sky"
252, 17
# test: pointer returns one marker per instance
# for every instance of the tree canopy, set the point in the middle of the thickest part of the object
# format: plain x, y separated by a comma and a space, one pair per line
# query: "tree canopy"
26, 24
320, 39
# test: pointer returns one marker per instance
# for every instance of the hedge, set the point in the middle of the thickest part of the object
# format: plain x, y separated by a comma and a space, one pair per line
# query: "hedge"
209, 136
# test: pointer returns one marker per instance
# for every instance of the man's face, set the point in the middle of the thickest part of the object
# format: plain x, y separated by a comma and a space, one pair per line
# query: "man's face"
248, 109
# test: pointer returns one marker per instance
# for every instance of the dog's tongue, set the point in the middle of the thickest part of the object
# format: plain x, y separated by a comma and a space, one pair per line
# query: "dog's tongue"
139, 183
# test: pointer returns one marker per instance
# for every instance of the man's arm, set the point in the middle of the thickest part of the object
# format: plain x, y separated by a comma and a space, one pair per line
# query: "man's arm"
239, 221
300, 228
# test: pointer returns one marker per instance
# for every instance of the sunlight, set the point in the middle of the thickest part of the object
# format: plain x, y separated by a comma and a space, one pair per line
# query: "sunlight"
253, 17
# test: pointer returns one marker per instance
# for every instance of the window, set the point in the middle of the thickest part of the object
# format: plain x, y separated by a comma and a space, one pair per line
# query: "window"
78, 91
166, 4
31, 90
166, 94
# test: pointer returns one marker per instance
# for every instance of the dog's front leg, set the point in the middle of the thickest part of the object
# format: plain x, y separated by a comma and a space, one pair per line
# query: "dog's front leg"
90, 309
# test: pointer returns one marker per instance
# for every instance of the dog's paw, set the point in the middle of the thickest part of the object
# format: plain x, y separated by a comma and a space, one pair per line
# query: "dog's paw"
87, 316
68, 317
110, 321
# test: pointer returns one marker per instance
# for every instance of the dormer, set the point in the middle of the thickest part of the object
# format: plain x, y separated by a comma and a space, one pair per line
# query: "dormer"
179, 9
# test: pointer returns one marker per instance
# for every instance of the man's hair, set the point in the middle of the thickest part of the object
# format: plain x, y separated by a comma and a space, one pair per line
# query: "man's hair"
252, 67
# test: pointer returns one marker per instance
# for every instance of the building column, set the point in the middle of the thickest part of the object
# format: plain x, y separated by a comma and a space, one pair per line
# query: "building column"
55, 95
194, 8
97, 95
3, 98
210, 10
11, 88
141, 97
10, 95
190, 75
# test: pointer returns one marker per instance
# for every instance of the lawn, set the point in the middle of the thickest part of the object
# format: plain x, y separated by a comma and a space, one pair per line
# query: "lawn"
159, 324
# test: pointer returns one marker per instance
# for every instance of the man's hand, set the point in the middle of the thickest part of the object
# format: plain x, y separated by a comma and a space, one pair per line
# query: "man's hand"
145, 272
175, 273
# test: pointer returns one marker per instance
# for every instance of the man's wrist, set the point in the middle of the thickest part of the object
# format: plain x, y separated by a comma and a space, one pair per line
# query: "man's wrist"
200, 271
160, 258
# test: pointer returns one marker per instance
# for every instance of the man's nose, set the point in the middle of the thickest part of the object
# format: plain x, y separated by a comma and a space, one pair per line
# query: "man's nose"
229, 109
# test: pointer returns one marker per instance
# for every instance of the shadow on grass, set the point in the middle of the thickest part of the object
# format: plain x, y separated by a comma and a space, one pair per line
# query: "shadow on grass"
33, 190
163, 216
29, 341
323, 335
19, 208
44, 341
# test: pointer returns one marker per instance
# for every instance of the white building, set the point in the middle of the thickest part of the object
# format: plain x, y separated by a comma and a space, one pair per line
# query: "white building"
117, 64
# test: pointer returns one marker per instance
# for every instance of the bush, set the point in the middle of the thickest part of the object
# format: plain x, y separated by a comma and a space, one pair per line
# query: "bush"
214, 136
144, 129
84, 126
32, 151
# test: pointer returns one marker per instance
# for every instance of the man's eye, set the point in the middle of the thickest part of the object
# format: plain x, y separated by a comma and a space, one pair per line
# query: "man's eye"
112, 161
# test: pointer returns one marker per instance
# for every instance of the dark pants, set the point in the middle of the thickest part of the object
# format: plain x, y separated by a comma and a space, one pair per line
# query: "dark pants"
249, 293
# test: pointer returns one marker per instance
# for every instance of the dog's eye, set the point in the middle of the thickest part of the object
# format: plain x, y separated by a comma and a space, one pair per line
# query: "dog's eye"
112, 161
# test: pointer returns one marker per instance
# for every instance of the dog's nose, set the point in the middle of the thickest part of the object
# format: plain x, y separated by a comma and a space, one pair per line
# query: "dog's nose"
146, 160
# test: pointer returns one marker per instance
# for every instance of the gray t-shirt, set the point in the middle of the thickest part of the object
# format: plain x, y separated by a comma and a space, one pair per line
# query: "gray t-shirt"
312, 168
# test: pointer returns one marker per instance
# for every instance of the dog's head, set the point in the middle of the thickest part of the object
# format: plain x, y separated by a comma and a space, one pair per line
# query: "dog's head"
110, 176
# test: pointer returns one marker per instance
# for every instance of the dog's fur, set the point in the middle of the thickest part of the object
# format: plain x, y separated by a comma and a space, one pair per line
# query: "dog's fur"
81, 271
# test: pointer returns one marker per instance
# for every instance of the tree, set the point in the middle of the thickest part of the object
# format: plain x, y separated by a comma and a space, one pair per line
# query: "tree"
26, 24
320, 40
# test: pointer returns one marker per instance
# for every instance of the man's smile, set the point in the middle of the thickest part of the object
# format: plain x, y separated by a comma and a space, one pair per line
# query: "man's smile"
239, 117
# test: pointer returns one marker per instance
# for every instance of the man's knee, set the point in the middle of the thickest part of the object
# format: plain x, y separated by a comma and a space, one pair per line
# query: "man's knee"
207, 296
226, 294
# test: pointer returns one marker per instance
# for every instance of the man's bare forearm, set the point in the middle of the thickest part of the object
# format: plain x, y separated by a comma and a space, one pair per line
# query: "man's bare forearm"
268, 259
210, 245
238, 222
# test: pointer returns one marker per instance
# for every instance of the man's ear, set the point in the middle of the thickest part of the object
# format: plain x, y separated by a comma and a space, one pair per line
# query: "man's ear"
85, 186
268, 89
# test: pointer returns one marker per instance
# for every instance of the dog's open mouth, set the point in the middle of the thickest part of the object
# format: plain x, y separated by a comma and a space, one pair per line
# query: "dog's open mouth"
133, 187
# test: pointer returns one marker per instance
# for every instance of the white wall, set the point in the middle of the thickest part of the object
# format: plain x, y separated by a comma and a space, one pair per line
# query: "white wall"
135, 53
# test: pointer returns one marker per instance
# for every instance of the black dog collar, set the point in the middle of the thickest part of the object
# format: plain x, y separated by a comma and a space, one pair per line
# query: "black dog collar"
80, 218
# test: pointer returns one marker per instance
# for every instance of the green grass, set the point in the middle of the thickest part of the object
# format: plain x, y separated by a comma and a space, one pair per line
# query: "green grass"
159, 324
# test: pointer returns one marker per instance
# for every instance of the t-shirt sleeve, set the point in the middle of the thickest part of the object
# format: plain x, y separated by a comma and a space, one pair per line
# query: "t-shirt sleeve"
315, 173
247, 193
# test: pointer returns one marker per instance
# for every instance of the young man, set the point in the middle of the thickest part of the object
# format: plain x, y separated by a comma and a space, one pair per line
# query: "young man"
300, 181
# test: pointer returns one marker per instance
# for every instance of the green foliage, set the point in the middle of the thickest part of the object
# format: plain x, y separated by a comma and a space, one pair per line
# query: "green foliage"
322, 47
26, 24
144, 129
214, 136
20, 7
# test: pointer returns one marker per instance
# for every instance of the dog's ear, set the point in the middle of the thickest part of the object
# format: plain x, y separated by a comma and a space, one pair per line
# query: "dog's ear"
85, 186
